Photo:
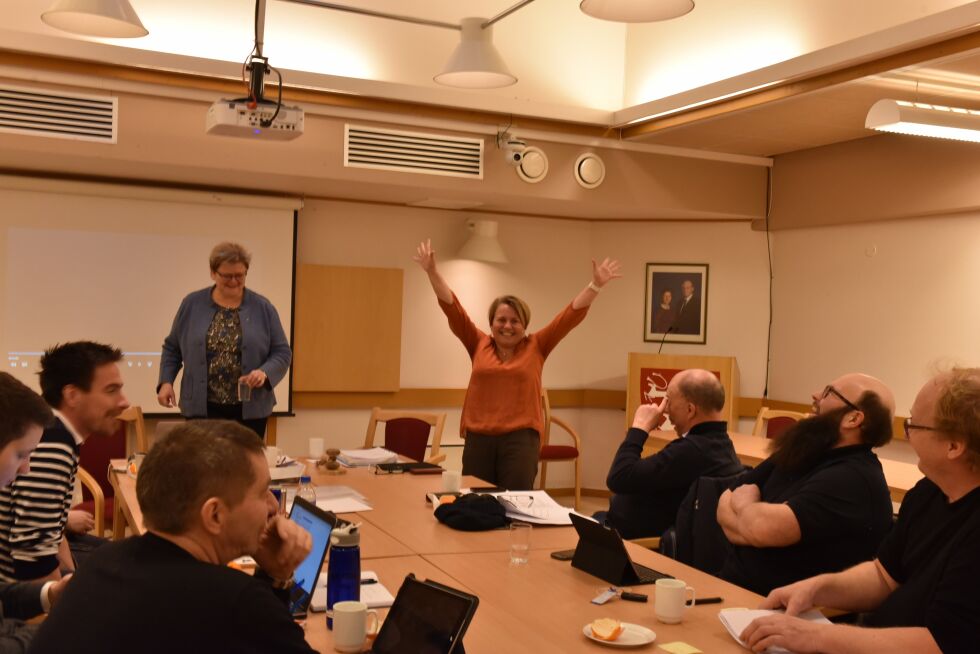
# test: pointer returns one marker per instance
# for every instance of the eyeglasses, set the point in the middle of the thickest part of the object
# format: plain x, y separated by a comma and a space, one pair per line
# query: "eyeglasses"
228, 277
907, 424
830, 390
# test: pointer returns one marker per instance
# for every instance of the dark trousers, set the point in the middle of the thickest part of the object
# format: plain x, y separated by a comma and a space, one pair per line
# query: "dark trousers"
506, 460
234, 412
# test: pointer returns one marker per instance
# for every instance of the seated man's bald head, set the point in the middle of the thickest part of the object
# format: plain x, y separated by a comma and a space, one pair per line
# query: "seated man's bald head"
702, 389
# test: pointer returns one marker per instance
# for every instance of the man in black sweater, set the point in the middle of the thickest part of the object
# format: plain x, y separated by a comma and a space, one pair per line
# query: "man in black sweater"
204, 493
820, 502
921, 589
647, 491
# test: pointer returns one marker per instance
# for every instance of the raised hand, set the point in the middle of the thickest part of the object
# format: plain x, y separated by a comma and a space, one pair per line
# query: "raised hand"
603, 273
425, 256
649, 416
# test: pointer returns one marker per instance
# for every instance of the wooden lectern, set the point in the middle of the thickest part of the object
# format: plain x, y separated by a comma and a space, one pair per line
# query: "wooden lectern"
649, 375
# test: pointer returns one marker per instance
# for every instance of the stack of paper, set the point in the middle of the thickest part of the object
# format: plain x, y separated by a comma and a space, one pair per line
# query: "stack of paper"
736, 620
341, 499
534, 506
368, 457
287, 468
373, 592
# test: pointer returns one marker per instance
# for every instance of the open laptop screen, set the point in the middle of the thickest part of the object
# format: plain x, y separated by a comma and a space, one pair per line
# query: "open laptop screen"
319, 523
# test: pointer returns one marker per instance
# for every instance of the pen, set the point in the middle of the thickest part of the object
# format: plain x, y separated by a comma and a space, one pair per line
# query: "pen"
366, 582
708, 600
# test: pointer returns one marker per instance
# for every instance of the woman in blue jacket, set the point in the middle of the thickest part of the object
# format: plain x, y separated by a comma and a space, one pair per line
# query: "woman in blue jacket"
223, 336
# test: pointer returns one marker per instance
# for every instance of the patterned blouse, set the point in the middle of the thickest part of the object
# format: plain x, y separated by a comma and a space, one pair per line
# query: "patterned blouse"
224, 351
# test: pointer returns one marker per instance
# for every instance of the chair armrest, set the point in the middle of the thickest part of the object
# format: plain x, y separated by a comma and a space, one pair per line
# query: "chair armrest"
87, 480
571, 431
436, 459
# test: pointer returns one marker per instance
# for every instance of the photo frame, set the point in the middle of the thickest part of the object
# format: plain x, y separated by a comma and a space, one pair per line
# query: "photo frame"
676, 303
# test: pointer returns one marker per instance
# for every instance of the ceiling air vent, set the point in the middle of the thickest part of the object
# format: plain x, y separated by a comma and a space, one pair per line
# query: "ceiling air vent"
413, 152
58, 114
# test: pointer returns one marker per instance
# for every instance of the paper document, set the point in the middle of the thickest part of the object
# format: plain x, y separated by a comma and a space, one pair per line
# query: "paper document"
533, 506
366, 457
736, 620
343, 505
375, 595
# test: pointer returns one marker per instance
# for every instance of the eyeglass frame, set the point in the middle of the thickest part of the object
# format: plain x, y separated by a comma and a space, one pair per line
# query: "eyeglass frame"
908, 426
238, 277
829, 389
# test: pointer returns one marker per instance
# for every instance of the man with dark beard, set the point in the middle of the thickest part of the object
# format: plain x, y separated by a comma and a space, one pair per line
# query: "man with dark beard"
819, 503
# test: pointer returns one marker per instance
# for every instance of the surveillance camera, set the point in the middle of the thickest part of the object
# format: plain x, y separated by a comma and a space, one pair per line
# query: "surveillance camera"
513, 149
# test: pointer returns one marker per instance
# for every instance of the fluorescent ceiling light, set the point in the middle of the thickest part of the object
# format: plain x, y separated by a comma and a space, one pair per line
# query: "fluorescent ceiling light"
636, 11
108, 18
920, 119
483, 244
475, 63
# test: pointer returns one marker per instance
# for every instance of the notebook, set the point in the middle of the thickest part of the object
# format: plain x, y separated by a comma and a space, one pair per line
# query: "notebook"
319, 523
601, 553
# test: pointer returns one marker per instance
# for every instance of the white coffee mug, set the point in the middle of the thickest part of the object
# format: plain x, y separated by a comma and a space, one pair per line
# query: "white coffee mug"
350, 626
316, 448
671, 600
451, 480
271, 455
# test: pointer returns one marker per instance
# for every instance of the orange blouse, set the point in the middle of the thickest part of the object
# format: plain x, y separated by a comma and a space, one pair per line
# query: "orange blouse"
504, 396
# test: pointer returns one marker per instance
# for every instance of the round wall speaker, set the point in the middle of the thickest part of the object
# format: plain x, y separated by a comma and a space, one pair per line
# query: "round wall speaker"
589, 170
534, 165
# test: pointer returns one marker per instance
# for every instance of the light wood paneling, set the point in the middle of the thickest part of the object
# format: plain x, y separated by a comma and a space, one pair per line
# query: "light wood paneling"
348, 328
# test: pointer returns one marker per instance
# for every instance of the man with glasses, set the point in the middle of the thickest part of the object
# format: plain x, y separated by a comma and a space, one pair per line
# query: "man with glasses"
921, 590
819, 503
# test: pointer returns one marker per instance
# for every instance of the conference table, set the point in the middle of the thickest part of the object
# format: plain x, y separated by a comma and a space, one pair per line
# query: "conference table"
752, 450
539, 607
542, 606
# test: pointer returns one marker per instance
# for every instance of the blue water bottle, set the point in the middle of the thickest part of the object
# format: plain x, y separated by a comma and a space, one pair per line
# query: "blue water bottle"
344, 568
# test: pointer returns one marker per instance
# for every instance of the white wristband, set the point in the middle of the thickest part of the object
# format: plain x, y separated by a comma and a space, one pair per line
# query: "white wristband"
594, 287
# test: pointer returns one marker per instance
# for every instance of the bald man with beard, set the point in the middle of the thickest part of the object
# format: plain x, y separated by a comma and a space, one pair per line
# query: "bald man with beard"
920, 592
819, 503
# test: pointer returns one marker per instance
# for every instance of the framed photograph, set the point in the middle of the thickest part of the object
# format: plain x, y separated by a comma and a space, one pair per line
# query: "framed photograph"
676, 303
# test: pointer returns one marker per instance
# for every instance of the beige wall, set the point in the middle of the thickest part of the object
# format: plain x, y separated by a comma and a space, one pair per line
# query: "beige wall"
891, 298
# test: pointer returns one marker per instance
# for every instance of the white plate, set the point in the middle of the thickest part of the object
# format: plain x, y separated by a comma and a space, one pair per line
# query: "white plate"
633, 635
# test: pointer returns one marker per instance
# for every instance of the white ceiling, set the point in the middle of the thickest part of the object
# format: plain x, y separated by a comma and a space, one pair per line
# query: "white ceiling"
571, 67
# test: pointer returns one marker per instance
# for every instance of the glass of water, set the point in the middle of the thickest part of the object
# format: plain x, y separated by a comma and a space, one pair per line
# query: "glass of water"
520, 542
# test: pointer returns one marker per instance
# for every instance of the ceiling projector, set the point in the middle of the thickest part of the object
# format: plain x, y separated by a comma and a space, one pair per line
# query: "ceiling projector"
246, 119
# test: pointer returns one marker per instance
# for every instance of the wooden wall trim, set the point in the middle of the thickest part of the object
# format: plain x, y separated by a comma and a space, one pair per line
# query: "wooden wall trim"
561, 398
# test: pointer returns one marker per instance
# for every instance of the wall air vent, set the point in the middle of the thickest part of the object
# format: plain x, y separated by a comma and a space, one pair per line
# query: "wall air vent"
42, 112
412, 152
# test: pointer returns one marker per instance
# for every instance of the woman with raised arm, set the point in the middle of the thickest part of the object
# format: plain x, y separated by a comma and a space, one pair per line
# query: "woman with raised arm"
502, 415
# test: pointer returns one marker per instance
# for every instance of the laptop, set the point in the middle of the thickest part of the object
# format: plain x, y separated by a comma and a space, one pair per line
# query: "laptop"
319, 523
601, 553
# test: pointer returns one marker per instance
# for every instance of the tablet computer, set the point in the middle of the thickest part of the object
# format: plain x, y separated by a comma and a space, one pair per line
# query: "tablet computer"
426, 618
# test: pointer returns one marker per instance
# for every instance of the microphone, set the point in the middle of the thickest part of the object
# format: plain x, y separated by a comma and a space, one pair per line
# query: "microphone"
664, 339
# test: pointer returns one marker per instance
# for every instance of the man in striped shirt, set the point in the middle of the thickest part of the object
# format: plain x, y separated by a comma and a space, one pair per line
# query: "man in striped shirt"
83, 384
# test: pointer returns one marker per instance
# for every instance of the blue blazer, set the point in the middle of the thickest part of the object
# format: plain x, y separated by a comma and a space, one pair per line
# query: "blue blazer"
264, 347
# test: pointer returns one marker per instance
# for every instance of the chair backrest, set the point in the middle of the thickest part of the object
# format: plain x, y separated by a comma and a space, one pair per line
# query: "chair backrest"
771, 423
698, 540
94, 456
134, 416
546, 410
407, 432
